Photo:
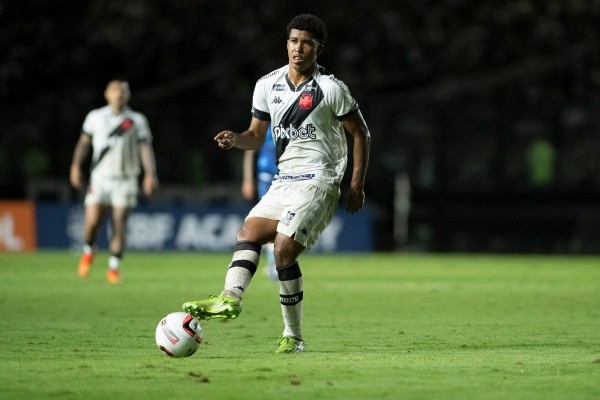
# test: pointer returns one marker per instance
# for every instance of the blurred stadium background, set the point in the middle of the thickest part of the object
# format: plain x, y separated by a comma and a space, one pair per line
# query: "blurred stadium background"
484, 114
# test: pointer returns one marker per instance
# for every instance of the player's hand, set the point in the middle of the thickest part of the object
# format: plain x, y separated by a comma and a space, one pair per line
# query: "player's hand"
355, 200
225, 139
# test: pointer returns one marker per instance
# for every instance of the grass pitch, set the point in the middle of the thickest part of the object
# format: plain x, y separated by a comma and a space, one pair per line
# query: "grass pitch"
376, 326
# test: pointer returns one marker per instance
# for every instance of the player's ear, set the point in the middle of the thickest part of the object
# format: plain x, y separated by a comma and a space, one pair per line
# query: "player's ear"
320, 49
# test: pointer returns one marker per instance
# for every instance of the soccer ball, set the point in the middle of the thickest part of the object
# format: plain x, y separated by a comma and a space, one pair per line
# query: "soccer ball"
178, 335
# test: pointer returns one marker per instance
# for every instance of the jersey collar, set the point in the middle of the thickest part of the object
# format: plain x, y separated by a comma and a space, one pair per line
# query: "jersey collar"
299, 88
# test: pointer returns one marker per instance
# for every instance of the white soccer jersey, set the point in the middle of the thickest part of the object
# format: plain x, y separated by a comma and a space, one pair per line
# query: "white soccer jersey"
115, 141
306, 124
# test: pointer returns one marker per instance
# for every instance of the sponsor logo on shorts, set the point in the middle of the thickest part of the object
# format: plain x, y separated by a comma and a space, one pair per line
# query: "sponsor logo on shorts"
288, 218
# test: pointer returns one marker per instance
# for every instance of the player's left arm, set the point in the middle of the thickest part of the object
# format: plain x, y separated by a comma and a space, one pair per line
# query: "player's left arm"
148, 160
248, 175
356, 127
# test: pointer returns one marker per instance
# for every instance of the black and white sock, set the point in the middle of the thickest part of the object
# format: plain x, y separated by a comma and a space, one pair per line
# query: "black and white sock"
290, 295
241, 269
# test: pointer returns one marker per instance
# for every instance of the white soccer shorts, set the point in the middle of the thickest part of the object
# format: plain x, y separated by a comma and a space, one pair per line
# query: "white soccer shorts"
116, 192
302, 209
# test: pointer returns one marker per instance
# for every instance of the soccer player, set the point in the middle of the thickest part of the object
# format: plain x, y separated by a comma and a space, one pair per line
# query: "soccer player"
253, 183
120, 138
309, 110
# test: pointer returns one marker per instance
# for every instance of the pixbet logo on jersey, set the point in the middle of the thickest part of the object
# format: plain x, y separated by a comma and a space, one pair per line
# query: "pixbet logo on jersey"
308, 132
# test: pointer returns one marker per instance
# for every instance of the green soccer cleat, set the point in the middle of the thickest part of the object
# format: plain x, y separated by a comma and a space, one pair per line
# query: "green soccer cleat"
214, 307
290, 345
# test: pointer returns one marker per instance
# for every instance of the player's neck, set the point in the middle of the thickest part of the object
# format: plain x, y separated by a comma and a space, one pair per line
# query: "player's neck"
297, 77
117, 110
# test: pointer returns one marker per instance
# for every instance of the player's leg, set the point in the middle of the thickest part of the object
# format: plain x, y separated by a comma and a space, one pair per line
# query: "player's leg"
254, 232
93, 217
265, 178
123, 198
119, 219
97, 204
258, 228
307, 213
291, 292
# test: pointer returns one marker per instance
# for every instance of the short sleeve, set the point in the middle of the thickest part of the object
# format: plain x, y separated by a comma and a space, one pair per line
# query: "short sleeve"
260, 108
341, 101
143, 131
88, 124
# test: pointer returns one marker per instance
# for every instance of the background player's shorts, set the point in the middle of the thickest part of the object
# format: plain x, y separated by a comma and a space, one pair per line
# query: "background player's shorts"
303, 210
116, 192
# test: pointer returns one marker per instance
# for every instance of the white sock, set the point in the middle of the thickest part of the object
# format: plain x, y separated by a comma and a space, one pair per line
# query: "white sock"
114, 262
291, 293
88, 249
241, 269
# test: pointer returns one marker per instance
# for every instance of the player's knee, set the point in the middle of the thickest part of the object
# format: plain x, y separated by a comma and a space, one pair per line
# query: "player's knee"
286, 251
256, 231
243, 234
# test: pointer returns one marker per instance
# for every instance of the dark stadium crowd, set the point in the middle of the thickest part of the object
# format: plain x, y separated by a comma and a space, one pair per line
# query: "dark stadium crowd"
482, 104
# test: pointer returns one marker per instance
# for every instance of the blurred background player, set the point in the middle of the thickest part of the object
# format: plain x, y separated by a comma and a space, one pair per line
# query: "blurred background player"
120, 139
259, 169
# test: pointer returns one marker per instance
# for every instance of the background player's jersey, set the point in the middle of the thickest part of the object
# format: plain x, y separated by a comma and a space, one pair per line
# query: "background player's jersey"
306, 124
266, 164
114, 141
266, 159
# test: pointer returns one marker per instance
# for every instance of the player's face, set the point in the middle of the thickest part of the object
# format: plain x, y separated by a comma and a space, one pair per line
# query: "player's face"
117, 94
303, 50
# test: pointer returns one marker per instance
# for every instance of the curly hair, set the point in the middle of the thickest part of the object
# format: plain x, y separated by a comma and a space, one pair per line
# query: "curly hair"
309, 23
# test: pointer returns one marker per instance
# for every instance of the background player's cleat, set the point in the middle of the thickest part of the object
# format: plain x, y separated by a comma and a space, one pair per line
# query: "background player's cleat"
113, 276
85, 265
290, 345
214, 307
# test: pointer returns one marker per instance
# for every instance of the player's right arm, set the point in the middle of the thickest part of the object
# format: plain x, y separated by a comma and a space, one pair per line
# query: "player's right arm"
250, 139
82, 150
254, 136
